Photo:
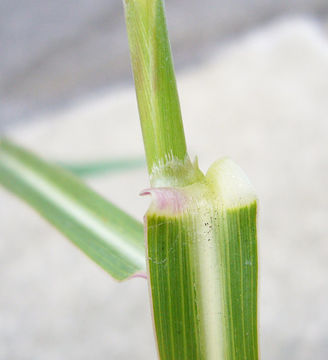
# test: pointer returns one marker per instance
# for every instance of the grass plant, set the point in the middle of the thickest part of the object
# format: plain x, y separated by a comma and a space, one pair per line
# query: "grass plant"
201, 244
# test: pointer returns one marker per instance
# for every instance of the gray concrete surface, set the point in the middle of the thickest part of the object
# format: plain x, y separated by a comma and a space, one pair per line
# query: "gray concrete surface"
262, 100
53, 52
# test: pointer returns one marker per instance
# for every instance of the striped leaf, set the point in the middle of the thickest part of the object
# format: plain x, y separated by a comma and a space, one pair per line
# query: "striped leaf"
96, 168
202, 262
106, 234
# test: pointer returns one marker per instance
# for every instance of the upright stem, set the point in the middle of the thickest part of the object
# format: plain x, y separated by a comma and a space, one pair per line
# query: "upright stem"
156, 89
200, 230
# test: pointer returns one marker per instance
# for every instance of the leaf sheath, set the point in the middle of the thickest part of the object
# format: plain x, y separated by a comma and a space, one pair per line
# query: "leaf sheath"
202, 262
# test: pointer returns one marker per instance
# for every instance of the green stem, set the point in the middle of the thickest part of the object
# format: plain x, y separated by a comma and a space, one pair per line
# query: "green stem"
200, 230
157, 95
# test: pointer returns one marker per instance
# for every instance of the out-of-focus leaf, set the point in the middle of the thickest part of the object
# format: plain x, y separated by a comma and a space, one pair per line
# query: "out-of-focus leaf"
95, 168
109, 236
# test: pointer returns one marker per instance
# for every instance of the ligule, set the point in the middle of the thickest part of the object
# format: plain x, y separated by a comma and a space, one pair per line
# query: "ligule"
202, 263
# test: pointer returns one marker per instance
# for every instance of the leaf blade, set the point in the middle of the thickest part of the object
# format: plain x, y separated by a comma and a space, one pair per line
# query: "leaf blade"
110, 237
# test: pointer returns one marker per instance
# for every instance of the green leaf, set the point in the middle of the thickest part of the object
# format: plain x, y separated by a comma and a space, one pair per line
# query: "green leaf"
106, 234
102, 167
157, 95
202, 260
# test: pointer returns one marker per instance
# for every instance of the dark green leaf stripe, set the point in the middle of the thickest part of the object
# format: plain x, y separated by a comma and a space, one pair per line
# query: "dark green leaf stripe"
237, 245
172, 276
106, 234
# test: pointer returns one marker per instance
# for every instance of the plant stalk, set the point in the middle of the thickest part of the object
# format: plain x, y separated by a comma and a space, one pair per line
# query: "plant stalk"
157, 95
201, 243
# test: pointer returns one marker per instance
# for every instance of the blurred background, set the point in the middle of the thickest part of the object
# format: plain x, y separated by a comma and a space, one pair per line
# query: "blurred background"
253, 80
53, 53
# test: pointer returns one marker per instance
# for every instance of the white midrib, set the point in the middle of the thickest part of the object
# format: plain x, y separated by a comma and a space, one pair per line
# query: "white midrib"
210, 293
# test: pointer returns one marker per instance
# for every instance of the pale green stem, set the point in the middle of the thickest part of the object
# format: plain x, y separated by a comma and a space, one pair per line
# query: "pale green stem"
157, 95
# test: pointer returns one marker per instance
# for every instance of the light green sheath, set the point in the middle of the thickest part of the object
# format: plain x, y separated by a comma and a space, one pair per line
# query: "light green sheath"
202, 262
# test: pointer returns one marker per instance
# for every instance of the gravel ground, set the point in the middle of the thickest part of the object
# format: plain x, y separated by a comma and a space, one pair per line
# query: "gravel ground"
262, 100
